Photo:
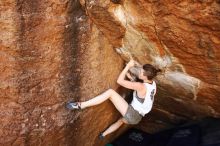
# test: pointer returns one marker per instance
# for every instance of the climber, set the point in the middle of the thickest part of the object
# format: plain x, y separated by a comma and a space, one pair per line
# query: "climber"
143, 97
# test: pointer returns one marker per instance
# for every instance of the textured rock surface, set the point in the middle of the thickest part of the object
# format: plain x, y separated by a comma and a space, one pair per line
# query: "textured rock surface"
37, 59
182, 38
57, 50
100, 66
51, 53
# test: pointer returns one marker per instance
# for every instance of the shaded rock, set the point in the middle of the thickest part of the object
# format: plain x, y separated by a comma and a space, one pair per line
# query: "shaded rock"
55, 51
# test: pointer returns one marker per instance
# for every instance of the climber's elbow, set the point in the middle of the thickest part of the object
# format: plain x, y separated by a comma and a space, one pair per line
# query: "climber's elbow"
119, 81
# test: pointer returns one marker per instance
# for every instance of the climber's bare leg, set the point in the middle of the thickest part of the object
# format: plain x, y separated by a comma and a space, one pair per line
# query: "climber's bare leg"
119, 102
114, 126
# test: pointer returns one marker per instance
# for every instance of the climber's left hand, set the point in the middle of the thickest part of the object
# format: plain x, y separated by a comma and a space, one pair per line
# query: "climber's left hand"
131, 63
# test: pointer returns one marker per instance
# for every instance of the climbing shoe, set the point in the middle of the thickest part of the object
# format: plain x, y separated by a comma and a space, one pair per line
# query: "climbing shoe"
73, 105
101, 136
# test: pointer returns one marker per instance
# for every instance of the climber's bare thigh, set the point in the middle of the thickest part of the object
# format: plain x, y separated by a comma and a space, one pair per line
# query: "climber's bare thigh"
119, 102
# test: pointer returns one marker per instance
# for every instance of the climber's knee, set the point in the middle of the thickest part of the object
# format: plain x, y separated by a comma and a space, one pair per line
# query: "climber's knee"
121, 121
111, 91
124, 121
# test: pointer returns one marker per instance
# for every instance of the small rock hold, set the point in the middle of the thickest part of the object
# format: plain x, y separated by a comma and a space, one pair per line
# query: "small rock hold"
66, 26
116, 1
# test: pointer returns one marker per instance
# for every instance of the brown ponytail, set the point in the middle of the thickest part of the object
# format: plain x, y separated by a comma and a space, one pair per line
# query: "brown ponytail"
150, 71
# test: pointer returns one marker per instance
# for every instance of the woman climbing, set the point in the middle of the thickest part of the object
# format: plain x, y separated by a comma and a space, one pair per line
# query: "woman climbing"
143, 97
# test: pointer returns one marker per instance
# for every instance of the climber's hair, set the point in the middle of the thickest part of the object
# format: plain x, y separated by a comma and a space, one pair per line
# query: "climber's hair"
150, 71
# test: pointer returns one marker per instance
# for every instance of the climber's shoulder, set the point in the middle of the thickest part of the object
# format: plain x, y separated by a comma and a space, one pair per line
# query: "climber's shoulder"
132, 85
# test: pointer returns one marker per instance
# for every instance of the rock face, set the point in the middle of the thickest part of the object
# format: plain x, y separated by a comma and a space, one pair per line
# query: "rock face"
38, 49
58, 50
51, 53
183, 39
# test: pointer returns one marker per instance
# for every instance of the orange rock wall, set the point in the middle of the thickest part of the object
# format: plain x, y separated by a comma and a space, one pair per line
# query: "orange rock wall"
51, 53
58, 50
99, 68
34, 74
181, 38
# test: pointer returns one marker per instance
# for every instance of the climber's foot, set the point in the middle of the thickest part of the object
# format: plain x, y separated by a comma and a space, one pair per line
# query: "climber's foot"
73, 105
101, 136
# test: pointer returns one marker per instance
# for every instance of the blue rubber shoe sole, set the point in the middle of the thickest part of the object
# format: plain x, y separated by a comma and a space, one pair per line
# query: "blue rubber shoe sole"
101, 137
72, 105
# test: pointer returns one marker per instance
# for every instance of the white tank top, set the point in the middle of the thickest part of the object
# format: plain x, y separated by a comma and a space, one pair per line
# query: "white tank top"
146, 106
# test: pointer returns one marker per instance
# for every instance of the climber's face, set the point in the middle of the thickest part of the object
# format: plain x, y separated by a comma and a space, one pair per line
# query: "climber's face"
141, 74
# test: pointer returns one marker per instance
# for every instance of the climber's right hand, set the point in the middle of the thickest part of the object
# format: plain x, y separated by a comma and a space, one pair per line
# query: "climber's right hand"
131, 63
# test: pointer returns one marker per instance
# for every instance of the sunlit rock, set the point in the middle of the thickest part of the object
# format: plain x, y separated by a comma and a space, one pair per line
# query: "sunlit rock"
55, 51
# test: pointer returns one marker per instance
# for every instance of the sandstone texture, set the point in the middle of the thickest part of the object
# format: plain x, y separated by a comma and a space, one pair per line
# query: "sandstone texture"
53, 51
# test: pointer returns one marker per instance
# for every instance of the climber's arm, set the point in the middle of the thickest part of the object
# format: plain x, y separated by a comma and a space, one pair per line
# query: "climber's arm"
129, 76
131, 85
128, 84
